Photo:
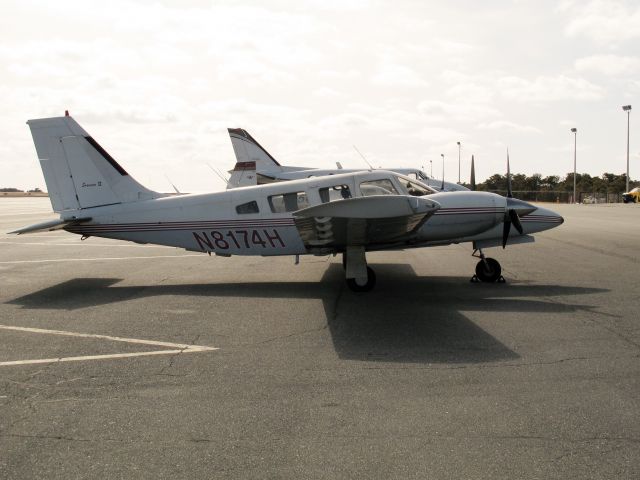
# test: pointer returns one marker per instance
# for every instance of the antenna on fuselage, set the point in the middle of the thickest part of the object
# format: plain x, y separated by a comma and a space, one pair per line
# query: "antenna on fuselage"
174, 187
363, 157
442, 187
222, 177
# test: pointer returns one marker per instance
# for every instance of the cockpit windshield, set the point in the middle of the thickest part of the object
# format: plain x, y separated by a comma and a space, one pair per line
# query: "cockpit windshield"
414, 187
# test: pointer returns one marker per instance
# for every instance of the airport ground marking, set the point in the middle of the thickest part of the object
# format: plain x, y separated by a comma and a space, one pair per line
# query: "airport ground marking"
78, 244
175, 348
98, 259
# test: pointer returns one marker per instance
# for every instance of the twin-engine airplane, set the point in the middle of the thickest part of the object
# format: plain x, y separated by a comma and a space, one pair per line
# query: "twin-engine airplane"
256, 166
349, 213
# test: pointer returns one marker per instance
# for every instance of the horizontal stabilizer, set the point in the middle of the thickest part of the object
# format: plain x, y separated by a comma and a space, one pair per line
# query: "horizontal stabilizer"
49, 225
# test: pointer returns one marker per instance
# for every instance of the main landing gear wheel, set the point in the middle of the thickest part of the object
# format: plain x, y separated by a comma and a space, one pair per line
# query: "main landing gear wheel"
356, 286
489, 270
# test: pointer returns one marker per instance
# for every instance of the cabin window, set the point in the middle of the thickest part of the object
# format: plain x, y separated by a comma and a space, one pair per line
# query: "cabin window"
337, 192
377, 187
249, 207
413, 188
288, 202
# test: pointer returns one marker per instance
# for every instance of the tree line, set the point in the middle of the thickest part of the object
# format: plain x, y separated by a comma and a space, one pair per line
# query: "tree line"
17, 190
607, 183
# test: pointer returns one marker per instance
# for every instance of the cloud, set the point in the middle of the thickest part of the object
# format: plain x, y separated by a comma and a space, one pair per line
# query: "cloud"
603, 21
439, 111
326, 92
394, 75
337, 5
347, 74
507, 125
252, 72
611, 65
549, 89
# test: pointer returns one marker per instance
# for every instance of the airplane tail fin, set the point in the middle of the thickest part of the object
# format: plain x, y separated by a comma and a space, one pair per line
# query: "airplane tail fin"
78, 172
251, 157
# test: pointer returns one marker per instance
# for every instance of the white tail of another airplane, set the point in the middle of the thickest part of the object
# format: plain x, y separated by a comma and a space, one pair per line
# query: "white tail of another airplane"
79, 173
250, 157
248, 150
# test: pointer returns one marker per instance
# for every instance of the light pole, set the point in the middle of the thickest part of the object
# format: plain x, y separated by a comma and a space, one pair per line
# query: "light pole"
431, 162
458, 162
442, 155
575, 142
627, 108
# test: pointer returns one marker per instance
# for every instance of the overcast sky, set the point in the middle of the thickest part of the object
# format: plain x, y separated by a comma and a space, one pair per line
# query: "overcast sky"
158, 83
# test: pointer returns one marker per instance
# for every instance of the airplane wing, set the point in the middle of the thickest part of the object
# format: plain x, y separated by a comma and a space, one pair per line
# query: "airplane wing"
362, 221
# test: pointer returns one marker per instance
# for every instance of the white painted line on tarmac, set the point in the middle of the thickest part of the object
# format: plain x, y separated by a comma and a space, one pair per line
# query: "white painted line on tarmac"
97, 259
101, 357
25, 212
49, 244
176, 347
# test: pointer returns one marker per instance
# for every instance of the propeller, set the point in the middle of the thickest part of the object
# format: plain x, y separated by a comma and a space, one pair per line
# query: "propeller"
515, 209
509, 192
473, 175
510, 216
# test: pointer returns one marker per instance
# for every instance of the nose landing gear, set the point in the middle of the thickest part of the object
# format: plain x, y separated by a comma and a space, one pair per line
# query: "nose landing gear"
488, 270
360, 277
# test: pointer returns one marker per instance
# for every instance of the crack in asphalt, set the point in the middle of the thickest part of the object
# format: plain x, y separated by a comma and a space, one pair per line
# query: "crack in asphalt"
174, 357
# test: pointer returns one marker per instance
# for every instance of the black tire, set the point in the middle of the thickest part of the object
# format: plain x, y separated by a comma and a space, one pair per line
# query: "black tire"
371, 282
489, 272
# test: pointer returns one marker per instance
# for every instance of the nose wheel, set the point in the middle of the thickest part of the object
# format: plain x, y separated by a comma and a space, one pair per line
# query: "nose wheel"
488, 270
361, 285
360, 277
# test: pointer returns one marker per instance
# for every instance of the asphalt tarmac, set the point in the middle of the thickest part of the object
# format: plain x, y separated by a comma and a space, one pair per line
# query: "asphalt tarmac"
178, 365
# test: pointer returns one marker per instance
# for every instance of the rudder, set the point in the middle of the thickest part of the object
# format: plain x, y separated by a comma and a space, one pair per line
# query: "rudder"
78, 172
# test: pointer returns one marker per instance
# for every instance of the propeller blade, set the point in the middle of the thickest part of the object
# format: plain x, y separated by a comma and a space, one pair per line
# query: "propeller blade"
509, 192
473, 175
505, 232
515, 219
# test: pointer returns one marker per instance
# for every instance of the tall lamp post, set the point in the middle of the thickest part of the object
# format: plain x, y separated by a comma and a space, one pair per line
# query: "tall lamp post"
442, 155
431, 162
458, 162
627, 108
575, 142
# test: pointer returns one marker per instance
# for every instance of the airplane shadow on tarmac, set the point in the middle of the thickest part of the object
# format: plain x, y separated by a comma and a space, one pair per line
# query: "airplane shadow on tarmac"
406, 318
